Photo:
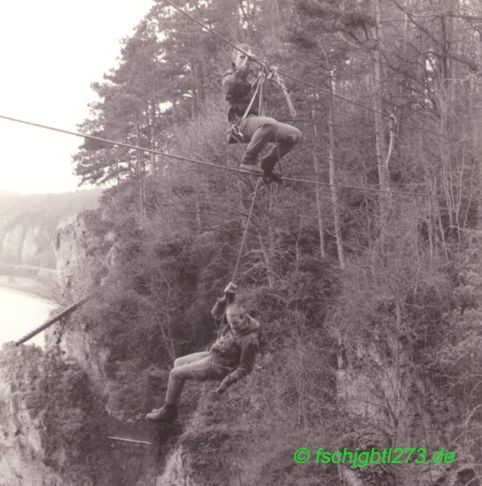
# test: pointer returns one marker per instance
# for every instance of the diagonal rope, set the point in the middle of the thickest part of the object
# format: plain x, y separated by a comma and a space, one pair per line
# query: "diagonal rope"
210, 164
303, 81
245, 233
259, 87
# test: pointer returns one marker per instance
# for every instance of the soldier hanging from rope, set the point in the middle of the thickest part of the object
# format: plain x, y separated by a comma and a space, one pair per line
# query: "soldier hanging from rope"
247, 125
229, 359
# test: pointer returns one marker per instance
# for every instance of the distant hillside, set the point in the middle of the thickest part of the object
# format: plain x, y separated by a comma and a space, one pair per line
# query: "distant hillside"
28, 224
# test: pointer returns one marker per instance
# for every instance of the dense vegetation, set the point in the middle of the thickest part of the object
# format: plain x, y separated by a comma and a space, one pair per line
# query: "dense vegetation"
370, 299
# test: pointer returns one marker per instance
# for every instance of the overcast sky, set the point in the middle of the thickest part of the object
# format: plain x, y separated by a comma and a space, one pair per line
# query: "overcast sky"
51, 51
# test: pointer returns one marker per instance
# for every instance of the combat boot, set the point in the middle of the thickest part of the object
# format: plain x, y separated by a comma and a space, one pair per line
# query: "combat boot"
167, 413
252, 169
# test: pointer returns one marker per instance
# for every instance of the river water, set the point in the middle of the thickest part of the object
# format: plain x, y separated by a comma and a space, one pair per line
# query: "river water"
21, 312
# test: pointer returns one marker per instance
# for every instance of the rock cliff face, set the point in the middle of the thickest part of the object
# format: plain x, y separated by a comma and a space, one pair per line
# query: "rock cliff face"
79, 265
22, 426
175, 471
26, 244
80, 268
28, 224
55, 430
53, 421
56, 415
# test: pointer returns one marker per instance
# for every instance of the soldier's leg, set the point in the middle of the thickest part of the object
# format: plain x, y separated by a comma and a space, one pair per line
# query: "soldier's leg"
190, 358
285, 138
200, 369
258, 131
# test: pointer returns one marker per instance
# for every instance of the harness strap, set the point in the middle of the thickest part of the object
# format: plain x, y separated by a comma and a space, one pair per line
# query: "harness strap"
280, 81
258, 82
267, 72
234, 134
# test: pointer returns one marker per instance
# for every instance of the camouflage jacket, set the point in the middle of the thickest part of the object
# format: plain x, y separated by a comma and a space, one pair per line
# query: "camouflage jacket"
235, 350
239, 88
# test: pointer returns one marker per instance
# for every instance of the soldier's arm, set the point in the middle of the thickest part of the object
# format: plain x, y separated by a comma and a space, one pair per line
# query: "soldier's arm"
235, 82
245, 367
220, 306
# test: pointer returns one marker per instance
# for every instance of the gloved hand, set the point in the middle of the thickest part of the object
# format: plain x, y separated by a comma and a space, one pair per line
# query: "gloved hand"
272, 72
230, 288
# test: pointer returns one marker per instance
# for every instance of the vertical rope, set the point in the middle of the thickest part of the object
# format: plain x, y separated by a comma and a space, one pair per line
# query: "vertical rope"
243, 240
261, 94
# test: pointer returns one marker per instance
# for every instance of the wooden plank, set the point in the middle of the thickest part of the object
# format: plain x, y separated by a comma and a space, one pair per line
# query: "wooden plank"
48, 323
135, 441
